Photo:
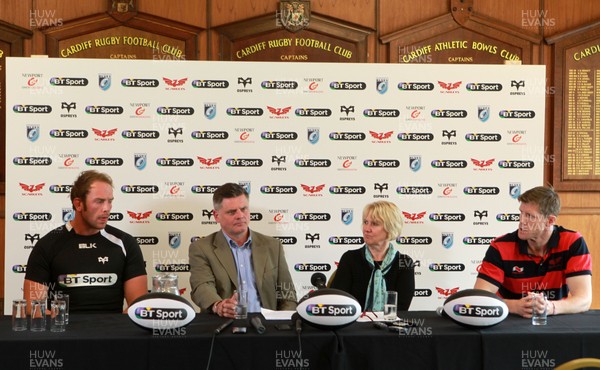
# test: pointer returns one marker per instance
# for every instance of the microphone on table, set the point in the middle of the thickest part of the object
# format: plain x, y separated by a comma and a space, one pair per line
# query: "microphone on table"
223, 326
258, 325
380, 325
298, 321
319, 280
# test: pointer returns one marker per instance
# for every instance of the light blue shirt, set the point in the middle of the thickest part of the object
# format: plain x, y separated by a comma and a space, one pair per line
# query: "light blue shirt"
246, 278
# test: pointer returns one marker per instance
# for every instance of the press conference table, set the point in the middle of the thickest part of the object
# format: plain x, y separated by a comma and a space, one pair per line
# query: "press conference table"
114, 342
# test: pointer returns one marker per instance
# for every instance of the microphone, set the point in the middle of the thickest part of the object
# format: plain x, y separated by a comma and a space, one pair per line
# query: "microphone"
318, 279
258, 325
298, 321
380, 325
223, 326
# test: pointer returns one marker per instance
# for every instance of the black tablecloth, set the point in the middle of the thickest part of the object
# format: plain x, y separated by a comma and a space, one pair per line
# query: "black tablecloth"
432, 342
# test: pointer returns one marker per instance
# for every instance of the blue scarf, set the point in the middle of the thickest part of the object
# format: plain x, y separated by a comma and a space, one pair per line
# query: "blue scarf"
377, 287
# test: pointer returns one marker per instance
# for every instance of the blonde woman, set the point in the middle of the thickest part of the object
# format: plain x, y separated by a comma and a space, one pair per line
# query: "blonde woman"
368, 272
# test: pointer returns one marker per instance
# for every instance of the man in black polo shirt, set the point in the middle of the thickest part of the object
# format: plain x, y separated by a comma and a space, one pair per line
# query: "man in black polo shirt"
96, 264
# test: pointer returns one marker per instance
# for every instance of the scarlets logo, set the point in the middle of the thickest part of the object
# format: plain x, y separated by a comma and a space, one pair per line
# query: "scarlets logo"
449, 85
414, 216
32, 188
312, 188
482, 163
209, 161
174, 83
279, 111
447, 292
381, 135
104, 133
139, 215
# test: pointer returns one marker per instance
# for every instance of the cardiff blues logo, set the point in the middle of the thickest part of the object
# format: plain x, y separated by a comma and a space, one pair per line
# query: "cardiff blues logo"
347, 215
447, 240
104, 81
313, 135
210, 110
483, 112
414, 161
245, 185
33, 132
174, 239
67, 214
514, 189
140, 161
382, 85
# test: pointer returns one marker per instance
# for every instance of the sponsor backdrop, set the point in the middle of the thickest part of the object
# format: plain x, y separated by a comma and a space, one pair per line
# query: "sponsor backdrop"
452, 145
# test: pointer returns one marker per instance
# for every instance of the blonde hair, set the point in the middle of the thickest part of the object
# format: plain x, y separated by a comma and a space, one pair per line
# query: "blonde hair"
389, 214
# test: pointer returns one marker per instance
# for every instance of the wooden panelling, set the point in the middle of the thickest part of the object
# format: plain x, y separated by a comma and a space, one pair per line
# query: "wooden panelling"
520, 13
184, 11
360, 12
571, 201
67, 9
570, 14
588, 227
397, 15
16, 12
225, 12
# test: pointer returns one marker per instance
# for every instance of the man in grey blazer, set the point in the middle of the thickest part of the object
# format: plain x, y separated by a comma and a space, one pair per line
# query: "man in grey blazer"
236, 255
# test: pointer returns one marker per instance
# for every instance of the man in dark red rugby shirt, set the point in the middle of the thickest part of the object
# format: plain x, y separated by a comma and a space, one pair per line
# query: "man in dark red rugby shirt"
539, 257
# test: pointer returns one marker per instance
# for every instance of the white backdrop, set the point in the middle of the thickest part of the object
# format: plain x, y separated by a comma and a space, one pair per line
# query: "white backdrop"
452, 145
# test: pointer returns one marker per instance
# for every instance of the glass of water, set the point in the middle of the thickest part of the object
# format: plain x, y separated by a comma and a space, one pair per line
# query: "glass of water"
390, 305
19, 315
241, 308
38, 315
58, 311
540, 309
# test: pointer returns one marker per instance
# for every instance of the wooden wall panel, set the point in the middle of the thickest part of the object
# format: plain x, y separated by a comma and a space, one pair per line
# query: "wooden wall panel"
15, 12
580, 202
191, 12
515, 12
360, 12
68, 9
570, 14
225, 12
588, 227
397, 15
